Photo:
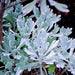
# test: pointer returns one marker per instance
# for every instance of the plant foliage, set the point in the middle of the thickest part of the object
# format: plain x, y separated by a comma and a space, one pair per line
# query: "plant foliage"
48, 44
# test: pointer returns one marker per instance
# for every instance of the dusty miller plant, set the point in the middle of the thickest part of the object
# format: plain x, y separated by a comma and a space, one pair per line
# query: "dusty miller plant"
28, 43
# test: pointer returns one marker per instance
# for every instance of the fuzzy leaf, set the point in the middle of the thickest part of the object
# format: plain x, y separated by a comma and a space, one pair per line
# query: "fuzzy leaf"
72, 44
19, 71
36, 12
29, 7
61, 7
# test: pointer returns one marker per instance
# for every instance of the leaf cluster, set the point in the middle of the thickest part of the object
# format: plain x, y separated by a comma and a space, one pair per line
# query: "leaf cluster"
28, 43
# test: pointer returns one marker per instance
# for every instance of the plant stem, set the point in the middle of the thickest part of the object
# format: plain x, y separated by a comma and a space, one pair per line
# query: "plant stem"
41, 70
14, 4
45, 70
1, 35
2, 5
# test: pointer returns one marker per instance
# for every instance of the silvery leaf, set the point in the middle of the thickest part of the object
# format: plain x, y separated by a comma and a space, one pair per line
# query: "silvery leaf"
17, 57
36, 12
8, 65
49, 61
61, 56
29, 7
6, 54
56, 28
22, 42
29, 25
41, 38
29, 52
20, 22
1, 73
52, 2
71, 51
53, 45
61, 7
56, 18
44, 7
19, 71
72, 44
50, 55
66, 31
27, 42
64, 43
60, 65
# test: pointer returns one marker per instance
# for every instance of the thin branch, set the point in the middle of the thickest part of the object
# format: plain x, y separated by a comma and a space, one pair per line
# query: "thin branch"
14, 4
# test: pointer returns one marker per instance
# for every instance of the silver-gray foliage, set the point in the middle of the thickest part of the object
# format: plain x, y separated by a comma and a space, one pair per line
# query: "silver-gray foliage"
21, 52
